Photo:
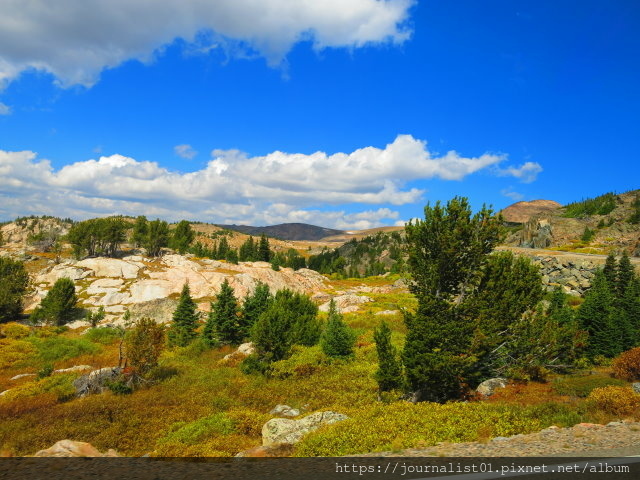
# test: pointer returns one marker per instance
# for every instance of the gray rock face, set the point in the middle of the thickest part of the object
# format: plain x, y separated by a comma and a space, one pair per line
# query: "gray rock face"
95, 382
285, 430
488, 387
636, 387
285, 411
537, 233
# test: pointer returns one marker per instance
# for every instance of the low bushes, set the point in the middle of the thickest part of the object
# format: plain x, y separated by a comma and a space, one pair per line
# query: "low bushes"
627, 365
615, 400
406, 425
582, 386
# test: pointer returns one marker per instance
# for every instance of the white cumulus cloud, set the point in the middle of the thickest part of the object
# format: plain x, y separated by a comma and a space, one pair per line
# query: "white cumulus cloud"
185, 151
5, 109
236, 188
526, 173
76, 39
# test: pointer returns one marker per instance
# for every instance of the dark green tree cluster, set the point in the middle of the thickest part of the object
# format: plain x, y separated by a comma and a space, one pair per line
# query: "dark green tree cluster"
182, 237
227, 323
152, 236
540, 340
59, 305
611, 309
14, 281
469, 302
289, 259
290, 319
601, 205
98, 236
248, 251
362, 257
337, 339
220, 250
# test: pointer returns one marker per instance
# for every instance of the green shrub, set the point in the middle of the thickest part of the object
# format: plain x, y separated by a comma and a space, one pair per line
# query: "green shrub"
582, 386
14, 330
59, 385
53, 349
119, 387
161, 373
103, 336
303, 362
406, 425
190, 433
16, 353
45, 371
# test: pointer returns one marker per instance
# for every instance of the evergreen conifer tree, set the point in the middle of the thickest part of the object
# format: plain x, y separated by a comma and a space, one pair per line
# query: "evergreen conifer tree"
264, 252
625, 275
290, 319
610, 271
446, 254
185, 320
596, 316
389, 372
58, 306
182, 237
337, 339
254, 305
157, 237
14, 281
224, 324
140, 231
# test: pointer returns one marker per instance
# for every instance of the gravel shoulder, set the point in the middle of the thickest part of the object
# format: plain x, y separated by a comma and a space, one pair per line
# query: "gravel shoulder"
583, 440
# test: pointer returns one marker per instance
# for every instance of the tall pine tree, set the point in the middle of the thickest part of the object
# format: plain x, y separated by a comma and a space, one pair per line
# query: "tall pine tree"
185, 320
389, 372
264, 252
254, 305
597, 316
446, 254
337, 339
223, 324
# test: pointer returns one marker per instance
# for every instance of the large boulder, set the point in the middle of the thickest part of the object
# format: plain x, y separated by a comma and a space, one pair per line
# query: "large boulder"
489, 387
285, 430
70, 448
110, 267
347, 303
96, 381
244, 350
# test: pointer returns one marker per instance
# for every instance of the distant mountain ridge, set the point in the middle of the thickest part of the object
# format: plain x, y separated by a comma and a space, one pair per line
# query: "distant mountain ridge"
286, 231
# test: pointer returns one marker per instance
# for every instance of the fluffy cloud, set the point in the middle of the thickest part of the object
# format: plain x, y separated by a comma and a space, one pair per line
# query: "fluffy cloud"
526, 173
185, 151
76, 39
236, 188
5, 109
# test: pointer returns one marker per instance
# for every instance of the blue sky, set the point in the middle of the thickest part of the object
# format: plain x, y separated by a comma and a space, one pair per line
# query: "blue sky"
347, 114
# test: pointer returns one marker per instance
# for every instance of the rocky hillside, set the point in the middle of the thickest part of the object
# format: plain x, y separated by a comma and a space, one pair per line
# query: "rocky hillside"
605, 224
521, 212
150, 286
